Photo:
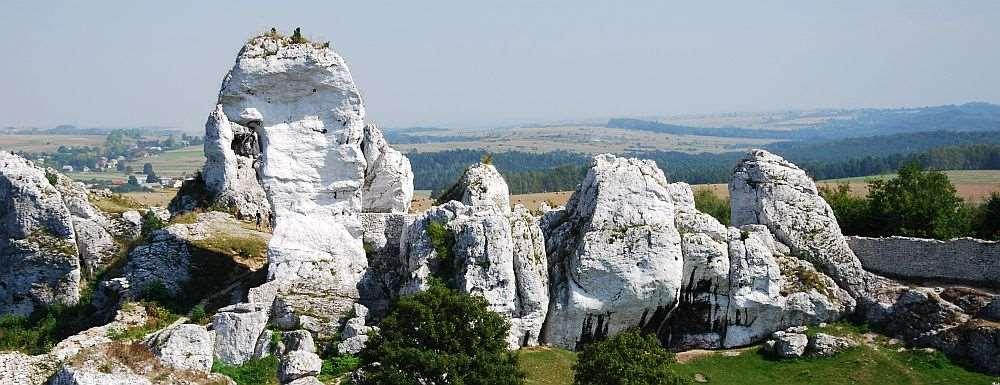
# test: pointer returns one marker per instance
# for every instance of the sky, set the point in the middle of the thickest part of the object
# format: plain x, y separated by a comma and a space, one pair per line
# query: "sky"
488, 63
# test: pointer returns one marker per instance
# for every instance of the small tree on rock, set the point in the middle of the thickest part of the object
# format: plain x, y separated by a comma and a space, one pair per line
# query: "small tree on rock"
628, 358
917, 203
440, 337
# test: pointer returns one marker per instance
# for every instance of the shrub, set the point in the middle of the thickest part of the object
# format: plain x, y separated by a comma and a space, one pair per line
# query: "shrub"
628, 358
440, 334
337, 366
987, 218
707, 202
150, 223
198, 314
297, 37
157, 317
443, 241
917, 203
39, 332
851, 211
256, 371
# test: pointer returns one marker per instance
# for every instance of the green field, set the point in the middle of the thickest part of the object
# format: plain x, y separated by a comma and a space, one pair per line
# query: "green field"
173, 164
878, 363
47, 143
956, 177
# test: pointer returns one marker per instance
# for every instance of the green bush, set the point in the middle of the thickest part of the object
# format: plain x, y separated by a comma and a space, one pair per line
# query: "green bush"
986, 220
443, 241
628, 358
150, 223
256, 371
707, 202
439, 334
336, 367
39, 332
851, 211
917, 203
198, 314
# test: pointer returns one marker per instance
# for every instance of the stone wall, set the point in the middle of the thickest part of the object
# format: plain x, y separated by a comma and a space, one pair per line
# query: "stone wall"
967, 260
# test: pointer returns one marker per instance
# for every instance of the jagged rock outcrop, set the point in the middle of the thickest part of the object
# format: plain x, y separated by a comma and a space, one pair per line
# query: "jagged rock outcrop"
39, 257
480, 185
769, 190
185, 346
388, 186
614, 252
309, 120
383, 236
230, 171
483, 248
95, 231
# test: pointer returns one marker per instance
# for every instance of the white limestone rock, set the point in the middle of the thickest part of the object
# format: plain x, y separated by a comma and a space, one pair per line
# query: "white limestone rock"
18, 368
165, 260
383, 237
298, 340
531, 273
306, 381
237, 330
185, 346
388, 186
769, 190
309, 120
38, 247
299, 364
826, 345
615, 254
230, 170
69, 375
480, 185
790, 345
133, 223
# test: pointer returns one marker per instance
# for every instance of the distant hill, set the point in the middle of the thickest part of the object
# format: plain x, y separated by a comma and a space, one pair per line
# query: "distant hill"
969, 117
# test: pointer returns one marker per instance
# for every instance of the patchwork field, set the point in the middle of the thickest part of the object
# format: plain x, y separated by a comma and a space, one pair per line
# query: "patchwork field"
47, 143
585, 139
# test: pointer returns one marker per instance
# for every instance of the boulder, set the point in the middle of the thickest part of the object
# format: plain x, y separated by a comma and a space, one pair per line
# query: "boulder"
237, 330
480, 185
353, 345
298, 340
306, 381
790, 345
615, 254
185, 346
388, 186
165, 260
299, 364
825, 345
38, 246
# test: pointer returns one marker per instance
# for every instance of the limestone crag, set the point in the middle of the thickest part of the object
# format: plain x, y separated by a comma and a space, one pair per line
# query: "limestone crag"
230, 170
388, 186
614, 253
38, 248
309, 119
484, 248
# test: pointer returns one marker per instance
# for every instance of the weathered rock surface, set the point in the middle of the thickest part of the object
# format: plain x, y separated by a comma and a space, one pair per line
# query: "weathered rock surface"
771, 191
38, 249
614, 252
480, 185
790, 345
309, 119
298, 364
237, 330
18, 368
85, 376
383, 236
388, 186
531, 274
230, 171
826, 345
185, 346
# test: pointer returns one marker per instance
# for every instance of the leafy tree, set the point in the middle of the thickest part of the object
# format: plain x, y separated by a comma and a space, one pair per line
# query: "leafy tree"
987, 220
147, 168
152, 178
114, 144
917, 203
132, 180
851, 211
440, 337
628, 358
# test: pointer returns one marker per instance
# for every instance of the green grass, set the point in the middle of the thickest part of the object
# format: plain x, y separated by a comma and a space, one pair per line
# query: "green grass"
547, 366
174, 163
875, 365
157, 317
259, 371
336, 367
861, 365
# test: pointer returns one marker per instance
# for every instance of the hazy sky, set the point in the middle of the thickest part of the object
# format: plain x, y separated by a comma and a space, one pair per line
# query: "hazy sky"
119, 63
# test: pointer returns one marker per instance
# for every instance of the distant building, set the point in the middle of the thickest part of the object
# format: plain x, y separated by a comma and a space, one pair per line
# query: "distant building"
67, 168
86, 169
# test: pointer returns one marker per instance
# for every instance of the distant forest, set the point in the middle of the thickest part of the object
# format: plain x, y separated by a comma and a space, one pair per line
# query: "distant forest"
561, 170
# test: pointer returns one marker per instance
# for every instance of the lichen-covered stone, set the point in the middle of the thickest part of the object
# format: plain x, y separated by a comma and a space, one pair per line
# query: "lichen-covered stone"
185, 346
237, 330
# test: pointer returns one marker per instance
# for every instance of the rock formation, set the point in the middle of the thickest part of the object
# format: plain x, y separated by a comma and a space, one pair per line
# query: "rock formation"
230, 171
614, 252
388, 186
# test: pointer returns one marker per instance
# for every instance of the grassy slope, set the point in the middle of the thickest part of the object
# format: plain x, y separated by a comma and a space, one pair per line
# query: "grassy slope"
878, 364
